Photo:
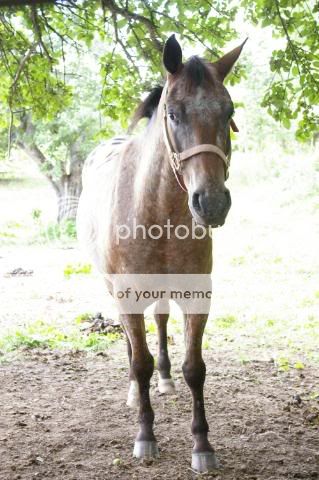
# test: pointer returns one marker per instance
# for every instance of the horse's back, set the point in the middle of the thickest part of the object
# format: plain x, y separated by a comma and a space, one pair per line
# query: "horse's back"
98, 176
101, 161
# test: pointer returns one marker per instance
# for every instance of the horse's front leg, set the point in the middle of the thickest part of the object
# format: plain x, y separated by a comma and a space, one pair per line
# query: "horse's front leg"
203, 457
133, 395
142, 367
165, 381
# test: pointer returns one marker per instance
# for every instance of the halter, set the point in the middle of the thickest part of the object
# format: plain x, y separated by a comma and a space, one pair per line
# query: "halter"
176, 159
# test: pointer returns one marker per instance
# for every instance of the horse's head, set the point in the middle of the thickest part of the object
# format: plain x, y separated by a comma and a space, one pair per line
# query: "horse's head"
198, 114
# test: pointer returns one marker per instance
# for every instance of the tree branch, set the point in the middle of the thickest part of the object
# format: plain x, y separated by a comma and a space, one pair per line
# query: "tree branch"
34, 18
290, 42
28, 145
21, 66
13, 87
111, 5
33, 151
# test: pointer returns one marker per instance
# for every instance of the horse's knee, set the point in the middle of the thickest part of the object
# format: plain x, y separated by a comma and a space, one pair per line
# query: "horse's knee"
143, 368
194, 373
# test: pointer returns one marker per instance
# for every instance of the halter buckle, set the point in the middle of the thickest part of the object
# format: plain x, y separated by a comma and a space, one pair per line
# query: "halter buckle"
175, 160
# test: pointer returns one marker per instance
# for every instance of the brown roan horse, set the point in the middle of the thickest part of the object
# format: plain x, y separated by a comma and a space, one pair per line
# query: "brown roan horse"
174, 170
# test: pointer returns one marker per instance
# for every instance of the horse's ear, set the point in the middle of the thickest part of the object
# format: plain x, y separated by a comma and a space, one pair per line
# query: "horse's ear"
226, 63
172, 55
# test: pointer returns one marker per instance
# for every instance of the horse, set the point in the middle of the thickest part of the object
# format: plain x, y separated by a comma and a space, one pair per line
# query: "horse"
175, 170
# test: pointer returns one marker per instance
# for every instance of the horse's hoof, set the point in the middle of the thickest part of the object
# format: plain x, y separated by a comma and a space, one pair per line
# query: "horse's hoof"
166, 385
204, 461
133, 400
145, 449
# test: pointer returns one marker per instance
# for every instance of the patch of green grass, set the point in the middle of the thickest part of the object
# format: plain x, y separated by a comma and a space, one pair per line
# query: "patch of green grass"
270, 322
41, 334
11, 232
63, 231
36, 214
236, 261
243, 358
34, 231
283, 364
277, 259
14, 224
312, 323
307, 302
313, 396
225, 322
78, 269
175, 325
206, 343
83, 317
151, 327
299, 365
5, 234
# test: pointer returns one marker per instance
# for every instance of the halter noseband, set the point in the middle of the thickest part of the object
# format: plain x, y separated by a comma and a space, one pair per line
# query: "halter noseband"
176, 159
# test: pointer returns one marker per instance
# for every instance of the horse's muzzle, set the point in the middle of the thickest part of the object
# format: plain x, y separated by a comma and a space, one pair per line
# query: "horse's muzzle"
210, 208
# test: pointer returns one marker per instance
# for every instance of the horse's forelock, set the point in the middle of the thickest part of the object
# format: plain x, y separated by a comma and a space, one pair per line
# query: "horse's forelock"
195, 71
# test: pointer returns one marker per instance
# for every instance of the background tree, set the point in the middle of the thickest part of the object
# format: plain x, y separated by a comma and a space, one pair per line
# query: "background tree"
293, 93
60, 146
50, 108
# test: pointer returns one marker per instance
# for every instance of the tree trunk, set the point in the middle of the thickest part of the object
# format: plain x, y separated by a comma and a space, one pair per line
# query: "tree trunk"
69, 186
69, 193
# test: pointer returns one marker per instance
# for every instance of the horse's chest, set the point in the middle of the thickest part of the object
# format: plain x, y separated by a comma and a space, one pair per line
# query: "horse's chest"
157, 256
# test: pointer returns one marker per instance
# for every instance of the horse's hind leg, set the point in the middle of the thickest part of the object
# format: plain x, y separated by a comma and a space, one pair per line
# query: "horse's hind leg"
142, 367
133, 395
203, 457
165, 381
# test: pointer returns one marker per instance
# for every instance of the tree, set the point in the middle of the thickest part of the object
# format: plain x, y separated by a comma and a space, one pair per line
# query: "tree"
39, 45
294, 92
39, 42
60, 146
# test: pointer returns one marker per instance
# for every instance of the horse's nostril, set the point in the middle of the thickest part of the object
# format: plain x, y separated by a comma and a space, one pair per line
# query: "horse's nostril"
196, 203
228, 197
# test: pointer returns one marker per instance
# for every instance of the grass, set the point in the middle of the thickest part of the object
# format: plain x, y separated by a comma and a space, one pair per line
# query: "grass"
36, 232
77, 269
30, 224
291, 346
44, 335
225, 322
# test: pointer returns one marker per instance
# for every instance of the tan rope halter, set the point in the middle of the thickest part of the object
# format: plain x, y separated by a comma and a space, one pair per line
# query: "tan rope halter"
176, 159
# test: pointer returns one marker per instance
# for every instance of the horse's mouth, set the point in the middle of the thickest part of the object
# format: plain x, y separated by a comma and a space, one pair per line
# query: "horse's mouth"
217, 225
207, 222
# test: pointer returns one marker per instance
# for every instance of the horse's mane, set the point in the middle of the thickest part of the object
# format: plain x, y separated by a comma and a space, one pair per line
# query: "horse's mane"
147, 107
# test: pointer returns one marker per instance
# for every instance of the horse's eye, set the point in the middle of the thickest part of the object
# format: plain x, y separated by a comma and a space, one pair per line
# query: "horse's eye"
172, 116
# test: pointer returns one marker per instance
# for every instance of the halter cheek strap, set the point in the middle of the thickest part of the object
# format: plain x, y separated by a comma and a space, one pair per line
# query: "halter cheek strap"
176, 159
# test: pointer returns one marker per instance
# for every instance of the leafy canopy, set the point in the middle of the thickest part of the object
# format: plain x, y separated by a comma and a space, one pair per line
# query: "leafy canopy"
39, 45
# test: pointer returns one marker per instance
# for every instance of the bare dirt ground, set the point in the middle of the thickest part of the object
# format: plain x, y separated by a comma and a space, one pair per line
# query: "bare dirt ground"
63, 416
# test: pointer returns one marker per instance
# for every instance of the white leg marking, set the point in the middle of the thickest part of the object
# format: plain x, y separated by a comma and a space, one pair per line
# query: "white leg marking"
166, 385
133, 400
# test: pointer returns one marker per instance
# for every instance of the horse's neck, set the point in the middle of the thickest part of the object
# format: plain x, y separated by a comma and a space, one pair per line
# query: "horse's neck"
159, 195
